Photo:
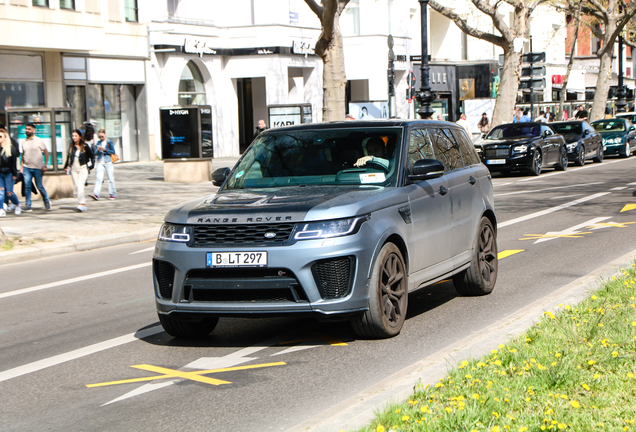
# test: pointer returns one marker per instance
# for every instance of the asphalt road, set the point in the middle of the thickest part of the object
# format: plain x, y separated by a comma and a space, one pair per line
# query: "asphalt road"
68, 323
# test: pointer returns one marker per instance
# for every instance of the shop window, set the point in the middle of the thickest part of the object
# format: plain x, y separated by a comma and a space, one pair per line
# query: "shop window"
16, 94
43, 3
67, 4
131, 10
191, 88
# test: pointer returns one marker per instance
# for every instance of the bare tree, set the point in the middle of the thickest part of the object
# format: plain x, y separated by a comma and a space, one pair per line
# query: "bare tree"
329, 48
564, 93
611, 17
508, 33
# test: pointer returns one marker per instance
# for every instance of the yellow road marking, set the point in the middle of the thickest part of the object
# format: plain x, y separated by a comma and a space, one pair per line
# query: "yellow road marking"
507, 253
611, 224
193, 376
542, 236
331, 341
628, 207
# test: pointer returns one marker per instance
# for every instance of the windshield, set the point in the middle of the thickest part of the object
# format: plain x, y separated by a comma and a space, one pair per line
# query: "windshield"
514, 130
568, 128
609, 126
305, 157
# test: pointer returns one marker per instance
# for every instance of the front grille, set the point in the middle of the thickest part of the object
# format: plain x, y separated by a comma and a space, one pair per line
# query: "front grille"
245, 235
244, 285
164, 273
497, 152
333, 277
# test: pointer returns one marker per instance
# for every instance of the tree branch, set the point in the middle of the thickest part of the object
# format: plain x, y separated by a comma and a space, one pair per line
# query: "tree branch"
463, 25
318, 10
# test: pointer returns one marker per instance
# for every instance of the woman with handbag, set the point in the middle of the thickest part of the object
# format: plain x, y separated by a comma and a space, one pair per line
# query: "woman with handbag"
8, 173
105, 155
80, 157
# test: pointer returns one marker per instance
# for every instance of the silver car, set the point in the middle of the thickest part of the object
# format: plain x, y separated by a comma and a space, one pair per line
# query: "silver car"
336, 220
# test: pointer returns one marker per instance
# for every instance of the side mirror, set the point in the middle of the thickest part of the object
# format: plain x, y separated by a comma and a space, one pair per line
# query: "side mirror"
631, 128
586, 132
219, 175
426, 169
544, 134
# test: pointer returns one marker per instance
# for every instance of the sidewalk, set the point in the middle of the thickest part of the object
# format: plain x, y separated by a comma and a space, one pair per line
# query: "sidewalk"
143, 199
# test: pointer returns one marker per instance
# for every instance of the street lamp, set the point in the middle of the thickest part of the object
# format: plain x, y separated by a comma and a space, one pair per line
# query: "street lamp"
620, 103
425, 96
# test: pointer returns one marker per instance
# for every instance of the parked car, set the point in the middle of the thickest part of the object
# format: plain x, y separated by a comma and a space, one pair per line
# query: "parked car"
631, 116
619, 136
527, 146
337, 220
582, 141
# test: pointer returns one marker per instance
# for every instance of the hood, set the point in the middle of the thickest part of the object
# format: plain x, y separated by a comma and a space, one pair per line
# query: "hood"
612, 134
277, 205
507, 142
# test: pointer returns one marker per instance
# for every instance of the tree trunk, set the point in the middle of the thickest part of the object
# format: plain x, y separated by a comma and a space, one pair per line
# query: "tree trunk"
508, 87
334, 79
602, 87
564, 91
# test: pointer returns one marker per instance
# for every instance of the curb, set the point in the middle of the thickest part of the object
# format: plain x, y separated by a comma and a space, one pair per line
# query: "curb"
359, 410
53, 249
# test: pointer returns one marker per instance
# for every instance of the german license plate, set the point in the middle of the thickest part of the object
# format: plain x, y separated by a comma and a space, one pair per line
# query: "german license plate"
495, 161
236, 259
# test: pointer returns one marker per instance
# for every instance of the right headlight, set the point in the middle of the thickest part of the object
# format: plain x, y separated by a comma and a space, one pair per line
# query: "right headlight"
174, 233
329, 229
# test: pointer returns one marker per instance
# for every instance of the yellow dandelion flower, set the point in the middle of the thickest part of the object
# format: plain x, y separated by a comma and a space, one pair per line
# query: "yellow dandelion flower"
600, 324
528, 399
523, 429
542, 427
438, 385
575, 404
591, 362
634, 323
405, 418
498, 362
380, 428
495, 413
448, 410
585, 386
468, 376
593, 297
496, 429
553, 363
562, 426
557, 354
397, 411
597, 376
475, 396
630, 375
615, 354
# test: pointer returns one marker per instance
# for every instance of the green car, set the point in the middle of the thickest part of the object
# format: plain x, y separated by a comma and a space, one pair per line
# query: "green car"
619, 136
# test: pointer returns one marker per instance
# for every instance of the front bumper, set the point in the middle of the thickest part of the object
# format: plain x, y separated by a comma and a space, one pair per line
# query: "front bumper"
614, 149
325, 277
515, 162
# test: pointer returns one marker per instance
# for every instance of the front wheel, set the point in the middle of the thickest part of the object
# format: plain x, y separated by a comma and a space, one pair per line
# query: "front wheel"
580, 157
628, 150
187, 329
562, 164
480, 277
388, 297
536, 163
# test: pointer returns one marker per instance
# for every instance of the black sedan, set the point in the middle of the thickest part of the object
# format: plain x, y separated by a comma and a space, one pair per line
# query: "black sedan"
582, 141
526, 146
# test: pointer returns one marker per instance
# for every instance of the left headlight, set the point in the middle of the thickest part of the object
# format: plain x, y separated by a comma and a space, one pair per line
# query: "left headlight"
520, 149
329, 229
175, 233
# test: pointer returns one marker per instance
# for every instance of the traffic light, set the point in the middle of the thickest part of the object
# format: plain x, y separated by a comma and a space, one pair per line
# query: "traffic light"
410, 92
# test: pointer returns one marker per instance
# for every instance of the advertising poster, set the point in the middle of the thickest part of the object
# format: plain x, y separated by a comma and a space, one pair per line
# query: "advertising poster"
369, 110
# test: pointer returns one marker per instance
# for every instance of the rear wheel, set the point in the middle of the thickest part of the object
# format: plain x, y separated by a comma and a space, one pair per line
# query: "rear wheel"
599, 154
628, 151
562, 164
187, 329
536, 163
580, 157
388, 297
480, 277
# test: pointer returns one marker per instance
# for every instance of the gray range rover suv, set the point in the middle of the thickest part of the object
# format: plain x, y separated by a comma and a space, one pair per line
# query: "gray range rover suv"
337, 220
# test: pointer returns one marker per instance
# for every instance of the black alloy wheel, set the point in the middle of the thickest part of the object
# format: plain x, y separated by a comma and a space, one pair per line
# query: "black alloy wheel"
480, 277
628, 150
599, 154
536, 163
562, 165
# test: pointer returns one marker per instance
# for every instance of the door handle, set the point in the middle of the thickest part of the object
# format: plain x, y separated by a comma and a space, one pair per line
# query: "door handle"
442, 190
472, 180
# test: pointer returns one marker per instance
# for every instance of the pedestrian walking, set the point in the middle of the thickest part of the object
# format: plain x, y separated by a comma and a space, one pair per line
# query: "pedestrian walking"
484, 124
464, 123
33, 166
79, 158
103, 162
541, 118
262, 126
88, 135
8, 173
16, 152
525, 117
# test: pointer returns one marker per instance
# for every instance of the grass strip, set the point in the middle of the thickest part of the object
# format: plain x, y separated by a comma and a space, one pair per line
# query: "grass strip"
574, 370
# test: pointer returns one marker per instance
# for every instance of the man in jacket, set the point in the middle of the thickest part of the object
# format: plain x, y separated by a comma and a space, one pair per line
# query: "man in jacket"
33, 166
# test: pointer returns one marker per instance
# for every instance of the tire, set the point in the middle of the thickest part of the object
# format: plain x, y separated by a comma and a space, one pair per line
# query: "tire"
388, 297
562, 164
628, 151
187, 329
580, 157
599, 154
480, 277
536, 163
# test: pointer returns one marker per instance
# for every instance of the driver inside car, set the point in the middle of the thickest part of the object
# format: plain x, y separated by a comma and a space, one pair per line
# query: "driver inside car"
376, 151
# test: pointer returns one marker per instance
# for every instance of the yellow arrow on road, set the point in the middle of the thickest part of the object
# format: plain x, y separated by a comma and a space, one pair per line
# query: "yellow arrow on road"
628, 207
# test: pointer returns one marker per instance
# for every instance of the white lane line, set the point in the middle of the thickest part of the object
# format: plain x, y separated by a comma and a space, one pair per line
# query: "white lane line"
81, 352
548, 189
551, 210
565, 196
631, 184
619, 188
531, 180
588, 166
501, 184
72, 280
143, 250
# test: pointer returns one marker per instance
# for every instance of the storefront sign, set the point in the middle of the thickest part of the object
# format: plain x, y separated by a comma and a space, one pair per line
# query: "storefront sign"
289, 115
301, 47
193, 46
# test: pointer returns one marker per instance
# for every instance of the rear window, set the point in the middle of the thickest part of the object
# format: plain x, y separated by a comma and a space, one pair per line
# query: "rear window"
568, 128
609, 126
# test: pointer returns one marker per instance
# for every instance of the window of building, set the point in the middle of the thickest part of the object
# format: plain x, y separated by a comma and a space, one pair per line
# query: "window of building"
21, 81
44, 3
131, 10
67, 4
191, 88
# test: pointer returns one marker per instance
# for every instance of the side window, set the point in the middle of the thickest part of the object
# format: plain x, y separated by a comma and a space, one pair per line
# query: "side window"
420, 147
446, 149
546, 129
466, 148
